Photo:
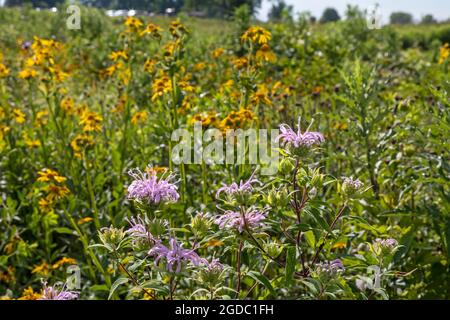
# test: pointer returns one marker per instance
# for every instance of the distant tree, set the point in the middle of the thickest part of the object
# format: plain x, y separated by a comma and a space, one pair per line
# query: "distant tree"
280, 10
330, 15
220, 8
401, 18
428, 19
34, 3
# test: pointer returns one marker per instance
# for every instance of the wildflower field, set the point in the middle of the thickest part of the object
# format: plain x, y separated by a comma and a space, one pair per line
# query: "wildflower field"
94, 205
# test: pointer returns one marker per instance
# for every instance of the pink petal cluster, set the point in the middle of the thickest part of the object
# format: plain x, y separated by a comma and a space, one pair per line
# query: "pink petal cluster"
175, 255
243, 187
150, 189
298, 139
138, 231
52, 293
252, 218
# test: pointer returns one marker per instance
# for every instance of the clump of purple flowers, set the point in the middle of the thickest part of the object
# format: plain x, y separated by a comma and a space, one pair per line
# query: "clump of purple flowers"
175, 255
243, 187
386, 243
148, 188
52, 293
352, 184
213, 266
298, 139
251, 218
138, 231
331, 268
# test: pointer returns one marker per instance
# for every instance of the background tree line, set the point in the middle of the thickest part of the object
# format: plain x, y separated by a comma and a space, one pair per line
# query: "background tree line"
211, 8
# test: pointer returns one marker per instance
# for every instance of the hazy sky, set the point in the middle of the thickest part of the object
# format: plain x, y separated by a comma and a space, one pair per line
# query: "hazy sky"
438, 8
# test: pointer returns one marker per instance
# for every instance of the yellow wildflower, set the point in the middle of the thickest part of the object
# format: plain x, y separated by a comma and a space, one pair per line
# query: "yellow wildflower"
91, 121
217, 53
68, 105
153, 30
29, 294
256, 34
63, 261
41, 117
261, 96
85, 220
42, 269
133, 24
81, 142
4, 71
56, 192
139, 117
45, 205
30, 143
48, 175
265, 54
240, 63
27, 73
19, 116
149, 65
339, 245
161, 86
444, 53
200, 66
116, 55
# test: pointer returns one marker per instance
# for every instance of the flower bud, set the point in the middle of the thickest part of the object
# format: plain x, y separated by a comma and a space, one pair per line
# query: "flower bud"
111, 237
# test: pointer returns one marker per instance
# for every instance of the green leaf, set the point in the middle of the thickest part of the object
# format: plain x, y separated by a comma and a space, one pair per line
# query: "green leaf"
263, 280
116, 284
310, 238
290, 265
63, 230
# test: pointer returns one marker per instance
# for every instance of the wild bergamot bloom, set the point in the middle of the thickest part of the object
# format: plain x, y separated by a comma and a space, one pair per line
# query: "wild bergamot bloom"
298, 139
245, 219
175, 255
148, 188
241, 188
54, 293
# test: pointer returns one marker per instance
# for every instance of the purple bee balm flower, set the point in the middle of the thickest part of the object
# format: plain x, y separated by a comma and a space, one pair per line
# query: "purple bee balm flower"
251, 218
243, 187
386, 243
331, 267
176, 255
352, 184
214, 265
52, 293
150, 189
138, 231
298, 139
